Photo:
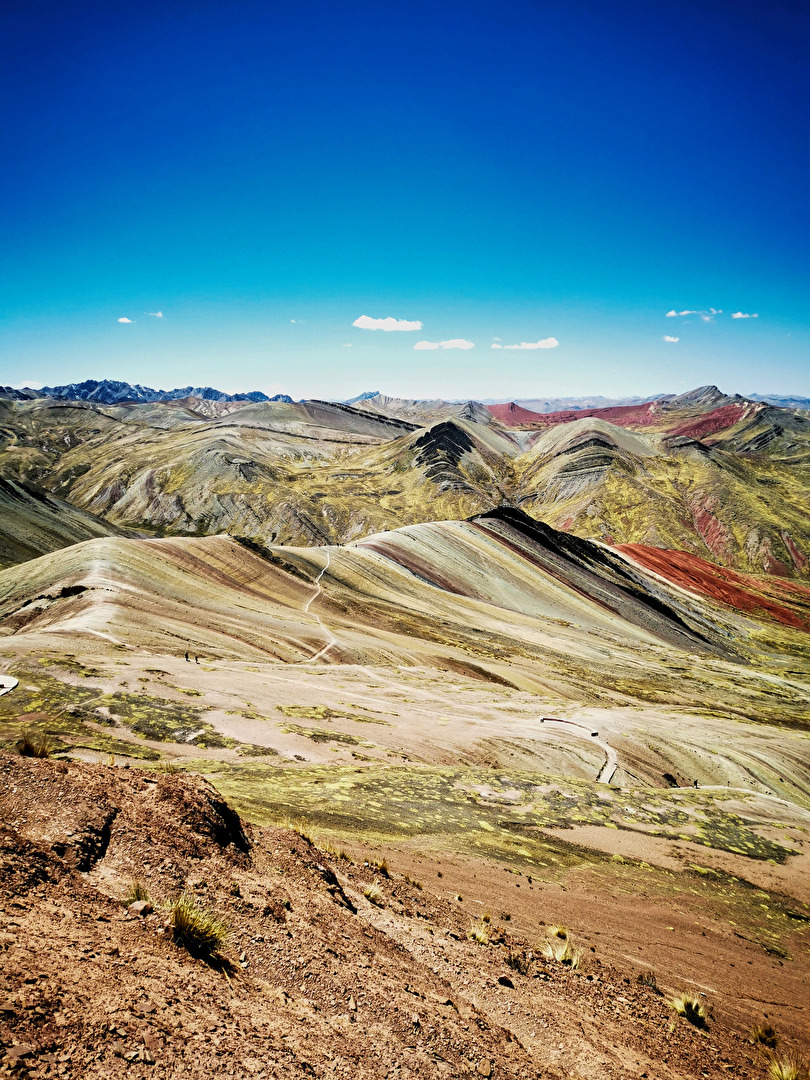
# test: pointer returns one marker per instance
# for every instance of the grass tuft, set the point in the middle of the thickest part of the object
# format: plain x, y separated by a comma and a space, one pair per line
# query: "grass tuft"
479, 934
787, 1066
167, 767
557, 931
648, 979
373, 893
517, 962
134, 891
764, 1035
562, 951
33, 745
692, 1008
328, 848
381, 866
196, 929
301, 827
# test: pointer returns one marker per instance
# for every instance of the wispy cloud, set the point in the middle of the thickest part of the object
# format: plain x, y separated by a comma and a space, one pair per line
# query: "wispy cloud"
297, 320
545, 343
155, 314
452, 343
706, 316
744, 315
28, 384
365, 322
126, 320
672, 339
347, 344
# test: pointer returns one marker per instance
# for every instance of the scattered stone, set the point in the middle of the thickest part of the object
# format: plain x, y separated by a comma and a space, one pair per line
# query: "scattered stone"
19, 1050
484, 1067
140, 907
352, 1005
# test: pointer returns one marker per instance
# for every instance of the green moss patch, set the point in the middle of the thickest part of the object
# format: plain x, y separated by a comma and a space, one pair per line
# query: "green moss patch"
324, 712
321, 735
480, 810
73, 714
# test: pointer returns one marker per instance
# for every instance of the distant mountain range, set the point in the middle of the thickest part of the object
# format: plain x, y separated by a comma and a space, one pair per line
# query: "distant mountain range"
111, 392
592, 401
785, 402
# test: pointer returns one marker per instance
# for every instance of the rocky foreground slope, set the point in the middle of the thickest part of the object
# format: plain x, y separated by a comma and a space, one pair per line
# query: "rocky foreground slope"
320, 975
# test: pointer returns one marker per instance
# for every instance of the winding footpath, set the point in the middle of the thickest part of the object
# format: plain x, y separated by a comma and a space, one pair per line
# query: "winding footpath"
327, 633
583, 731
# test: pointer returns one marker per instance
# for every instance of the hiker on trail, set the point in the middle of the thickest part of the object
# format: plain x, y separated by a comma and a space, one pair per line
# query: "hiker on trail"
187, 659
196, 659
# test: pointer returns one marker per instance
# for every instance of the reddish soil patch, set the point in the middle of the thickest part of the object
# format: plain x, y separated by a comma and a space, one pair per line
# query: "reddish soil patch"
785, 601
628, 416
712, 422
512, 414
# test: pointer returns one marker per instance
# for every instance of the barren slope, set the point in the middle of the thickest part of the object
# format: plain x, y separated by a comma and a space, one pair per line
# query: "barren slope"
33, 523
322, 982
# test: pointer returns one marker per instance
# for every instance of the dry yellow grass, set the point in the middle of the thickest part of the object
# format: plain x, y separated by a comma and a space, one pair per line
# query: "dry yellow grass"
134, 891
479, 934
373, 893
764, 1035
197, 929
787, 1066
562, 951
33, 745
691, 1007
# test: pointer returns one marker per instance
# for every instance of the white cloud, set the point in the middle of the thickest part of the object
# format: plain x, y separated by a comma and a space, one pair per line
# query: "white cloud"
125, 319
706, 316
155, 314
452, 343
299, 321
496, 339
365, 322
668, 338
29, 384
347, 344
743, 315
546, 343
495, 345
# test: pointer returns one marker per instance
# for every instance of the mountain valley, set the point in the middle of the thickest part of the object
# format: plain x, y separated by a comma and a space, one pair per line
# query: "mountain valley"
503, 671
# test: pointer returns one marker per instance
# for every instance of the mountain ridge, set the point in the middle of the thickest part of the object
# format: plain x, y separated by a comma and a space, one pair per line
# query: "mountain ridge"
114, 392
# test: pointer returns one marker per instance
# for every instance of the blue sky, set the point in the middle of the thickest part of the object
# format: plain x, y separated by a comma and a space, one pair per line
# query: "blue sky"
520, 171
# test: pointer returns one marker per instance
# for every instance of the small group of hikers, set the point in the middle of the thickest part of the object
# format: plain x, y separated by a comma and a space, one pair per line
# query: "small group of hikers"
196, 659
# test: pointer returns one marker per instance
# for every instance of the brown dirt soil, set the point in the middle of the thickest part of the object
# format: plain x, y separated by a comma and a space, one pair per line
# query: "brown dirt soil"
317, 980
